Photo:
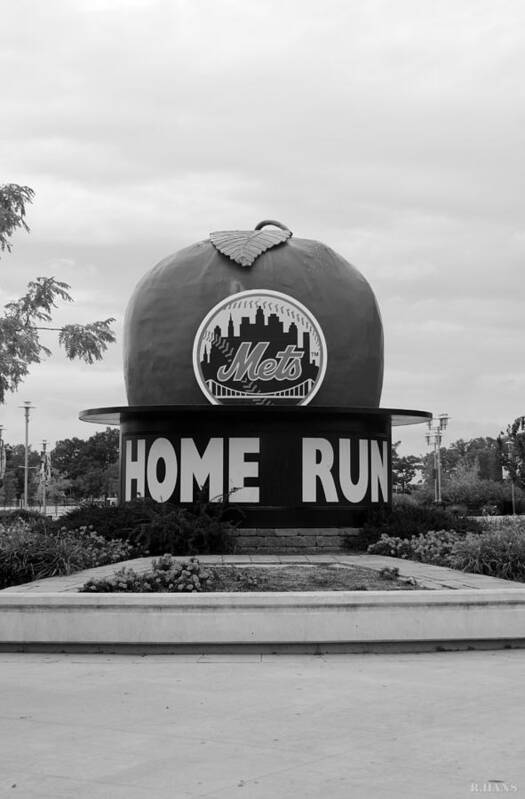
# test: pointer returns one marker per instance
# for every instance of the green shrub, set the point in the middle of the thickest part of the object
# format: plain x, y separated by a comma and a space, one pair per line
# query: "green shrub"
156, 528
503, 523
489, 510
498, 553
180, 532
389, 573
435, 547
32, 517
166, 575
25, 514
391, 546
111, 521
28, 554
475, 493
399, 500
466, 488
405, 520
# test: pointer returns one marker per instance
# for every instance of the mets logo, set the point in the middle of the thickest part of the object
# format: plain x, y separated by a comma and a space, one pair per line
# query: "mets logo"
260, 347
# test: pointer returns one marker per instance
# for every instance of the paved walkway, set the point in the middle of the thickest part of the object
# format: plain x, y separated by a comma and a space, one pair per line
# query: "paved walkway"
427, 576
396, 726
403, 726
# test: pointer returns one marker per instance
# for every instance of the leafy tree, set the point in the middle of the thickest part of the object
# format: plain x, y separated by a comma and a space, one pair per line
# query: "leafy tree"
482, 453
23, 319
404, 469
57, 489
13, 200
12, 489
478, 454
464, 487
8, 489
90, 466
511, 447
471, 475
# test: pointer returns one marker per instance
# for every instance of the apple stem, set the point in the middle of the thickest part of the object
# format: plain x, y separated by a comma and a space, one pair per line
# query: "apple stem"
271, 222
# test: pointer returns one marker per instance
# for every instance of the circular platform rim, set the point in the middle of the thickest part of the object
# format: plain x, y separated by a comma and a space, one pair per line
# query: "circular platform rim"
114, 415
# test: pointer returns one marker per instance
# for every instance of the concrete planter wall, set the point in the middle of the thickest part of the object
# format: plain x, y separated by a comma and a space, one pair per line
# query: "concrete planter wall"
309, 619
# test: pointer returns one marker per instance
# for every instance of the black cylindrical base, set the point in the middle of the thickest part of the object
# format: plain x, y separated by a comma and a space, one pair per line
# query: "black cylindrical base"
291, 467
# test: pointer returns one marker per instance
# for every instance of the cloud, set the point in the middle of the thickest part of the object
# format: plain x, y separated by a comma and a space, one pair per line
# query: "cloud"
392, 132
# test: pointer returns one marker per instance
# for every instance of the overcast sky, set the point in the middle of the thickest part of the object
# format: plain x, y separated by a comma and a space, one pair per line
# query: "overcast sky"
392, 131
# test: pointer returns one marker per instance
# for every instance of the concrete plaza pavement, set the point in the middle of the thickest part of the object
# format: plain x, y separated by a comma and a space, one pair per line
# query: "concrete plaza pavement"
416, 726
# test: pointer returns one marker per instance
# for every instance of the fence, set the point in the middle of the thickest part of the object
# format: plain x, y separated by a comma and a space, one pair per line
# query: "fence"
54, 511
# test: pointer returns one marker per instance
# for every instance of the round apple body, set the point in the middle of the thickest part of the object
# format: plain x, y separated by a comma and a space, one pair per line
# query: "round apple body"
171, 302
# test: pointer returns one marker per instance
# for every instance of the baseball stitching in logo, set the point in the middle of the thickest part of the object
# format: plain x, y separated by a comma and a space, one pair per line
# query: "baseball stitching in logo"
260, 347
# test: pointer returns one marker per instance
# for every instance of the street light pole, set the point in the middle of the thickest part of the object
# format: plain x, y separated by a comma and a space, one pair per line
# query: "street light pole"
27, 407
2, 453
43, 467
434, 436
510, 447
437, 445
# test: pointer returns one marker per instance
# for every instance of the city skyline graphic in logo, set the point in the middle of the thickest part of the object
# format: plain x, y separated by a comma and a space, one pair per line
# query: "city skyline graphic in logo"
260, 347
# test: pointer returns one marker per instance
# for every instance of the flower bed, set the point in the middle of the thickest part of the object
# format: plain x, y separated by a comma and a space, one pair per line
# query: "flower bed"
32, 552
172, 576
498, 551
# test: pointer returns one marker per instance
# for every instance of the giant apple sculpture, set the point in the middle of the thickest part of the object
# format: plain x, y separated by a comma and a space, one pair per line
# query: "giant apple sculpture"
169, 304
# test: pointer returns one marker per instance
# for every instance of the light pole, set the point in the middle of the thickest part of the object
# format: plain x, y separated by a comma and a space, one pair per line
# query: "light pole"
434, 436
43, 475
510, 448
2, 453
27, 407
